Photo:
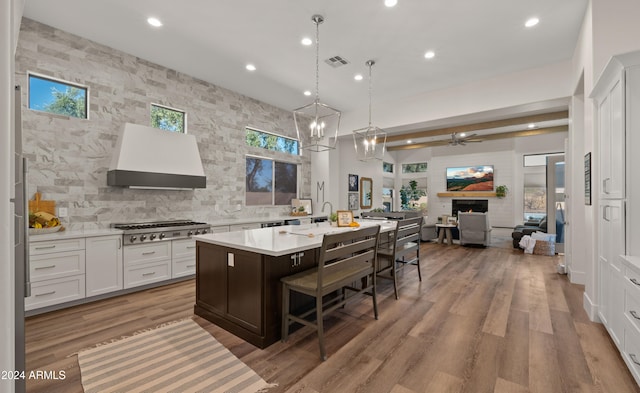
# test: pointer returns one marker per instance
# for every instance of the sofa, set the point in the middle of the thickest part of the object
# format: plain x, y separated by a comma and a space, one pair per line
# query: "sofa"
527, 229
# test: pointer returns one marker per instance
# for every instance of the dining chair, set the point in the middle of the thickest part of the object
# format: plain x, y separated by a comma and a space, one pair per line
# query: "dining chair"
346, 264
404, 242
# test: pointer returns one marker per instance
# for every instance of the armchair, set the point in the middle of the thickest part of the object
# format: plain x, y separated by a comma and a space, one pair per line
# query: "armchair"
474, 228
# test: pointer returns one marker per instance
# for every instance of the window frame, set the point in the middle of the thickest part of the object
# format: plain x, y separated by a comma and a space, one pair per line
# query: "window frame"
184, 117
426, 167
254, 129
273, 191
61, 81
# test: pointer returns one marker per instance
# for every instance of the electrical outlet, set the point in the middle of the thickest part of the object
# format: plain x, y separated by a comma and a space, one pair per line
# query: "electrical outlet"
63, 212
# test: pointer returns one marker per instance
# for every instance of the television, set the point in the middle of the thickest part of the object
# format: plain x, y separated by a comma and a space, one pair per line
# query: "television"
470, 178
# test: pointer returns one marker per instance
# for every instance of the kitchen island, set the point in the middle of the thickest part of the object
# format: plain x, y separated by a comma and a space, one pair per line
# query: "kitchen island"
238, 275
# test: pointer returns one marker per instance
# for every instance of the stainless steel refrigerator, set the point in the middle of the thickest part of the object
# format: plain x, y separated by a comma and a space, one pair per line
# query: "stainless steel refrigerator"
21, 240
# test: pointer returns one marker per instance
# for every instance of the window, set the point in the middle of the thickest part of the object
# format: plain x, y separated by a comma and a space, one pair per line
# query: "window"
535, 194
266, 140
387, 167
169, 119
414, 168
537, 159
57, 97
270, 182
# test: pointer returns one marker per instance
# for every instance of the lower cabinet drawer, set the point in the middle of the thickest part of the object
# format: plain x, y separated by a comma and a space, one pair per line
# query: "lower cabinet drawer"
55, 291
56, 265
631, 352
147, 252
183, 267
148, 273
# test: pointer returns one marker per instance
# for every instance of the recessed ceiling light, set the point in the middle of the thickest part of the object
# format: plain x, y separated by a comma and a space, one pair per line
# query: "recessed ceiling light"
532, 22
390, 3
358, 77
307, 93
463, 134
531, 125
250, 67
154, 22
306, 41
429, 55
409, 141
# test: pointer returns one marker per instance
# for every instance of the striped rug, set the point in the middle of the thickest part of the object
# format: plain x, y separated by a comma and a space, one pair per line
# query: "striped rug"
180, 357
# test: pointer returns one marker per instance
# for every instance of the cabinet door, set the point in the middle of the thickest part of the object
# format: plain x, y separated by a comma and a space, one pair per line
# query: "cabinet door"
611, 123
245, 288
103, 265
603, 290
211, 277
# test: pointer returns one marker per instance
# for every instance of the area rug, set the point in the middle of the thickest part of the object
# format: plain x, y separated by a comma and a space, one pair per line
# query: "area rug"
179, 357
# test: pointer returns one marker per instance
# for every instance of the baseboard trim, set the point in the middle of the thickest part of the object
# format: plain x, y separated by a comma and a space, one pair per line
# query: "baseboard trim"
590, 307
577, 277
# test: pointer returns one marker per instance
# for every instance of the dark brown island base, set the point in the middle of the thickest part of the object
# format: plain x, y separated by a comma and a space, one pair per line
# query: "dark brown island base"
238, 276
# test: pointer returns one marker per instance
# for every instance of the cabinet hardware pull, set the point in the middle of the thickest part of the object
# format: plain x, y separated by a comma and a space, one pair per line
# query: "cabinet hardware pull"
45, 267
148, 274
45, 294
190, 266
633, 280
45, 247
604, 213
191, 246
634, 359
634, 314
604, 185
148, 253
119, 243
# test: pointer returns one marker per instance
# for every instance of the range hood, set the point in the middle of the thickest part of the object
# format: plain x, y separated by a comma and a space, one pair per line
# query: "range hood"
147, 157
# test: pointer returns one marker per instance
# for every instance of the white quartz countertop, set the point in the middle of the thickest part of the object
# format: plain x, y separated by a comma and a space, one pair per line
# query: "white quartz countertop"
73, 234
286, 239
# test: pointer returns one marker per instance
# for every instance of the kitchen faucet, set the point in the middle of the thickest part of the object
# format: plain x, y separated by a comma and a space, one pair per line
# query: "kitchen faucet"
330, 207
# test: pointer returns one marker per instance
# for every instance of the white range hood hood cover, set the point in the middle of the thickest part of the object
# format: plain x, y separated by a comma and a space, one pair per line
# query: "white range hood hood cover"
147, 157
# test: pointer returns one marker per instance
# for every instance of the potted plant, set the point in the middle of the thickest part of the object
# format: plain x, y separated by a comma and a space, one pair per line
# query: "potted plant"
333, 219
501, 191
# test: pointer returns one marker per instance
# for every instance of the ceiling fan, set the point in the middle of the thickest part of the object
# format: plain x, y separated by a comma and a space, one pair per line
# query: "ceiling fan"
462, 139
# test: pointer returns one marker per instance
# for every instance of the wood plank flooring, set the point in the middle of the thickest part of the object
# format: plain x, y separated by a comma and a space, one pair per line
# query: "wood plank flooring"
482, 320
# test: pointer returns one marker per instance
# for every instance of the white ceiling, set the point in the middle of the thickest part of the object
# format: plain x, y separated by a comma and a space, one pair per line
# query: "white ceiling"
214, 40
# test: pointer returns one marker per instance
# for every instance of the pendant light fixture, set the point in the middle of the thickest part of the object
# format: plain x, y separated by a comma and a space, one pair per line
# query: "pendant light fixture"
369, 141
317, 124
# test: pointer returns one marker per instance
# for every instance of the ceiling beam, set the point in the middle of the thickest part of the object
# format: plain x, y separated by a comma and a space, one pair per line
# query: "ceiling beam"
480, 126
502, 135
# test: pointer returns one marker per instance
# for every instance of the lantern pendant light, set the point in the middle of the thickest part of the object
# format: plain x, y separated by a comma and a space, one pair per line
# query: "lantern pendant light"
370, 141
317, 124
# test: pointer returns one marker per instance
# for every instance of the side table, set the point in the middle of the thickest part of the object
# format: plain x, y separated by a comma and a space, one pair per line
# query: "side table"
445, 230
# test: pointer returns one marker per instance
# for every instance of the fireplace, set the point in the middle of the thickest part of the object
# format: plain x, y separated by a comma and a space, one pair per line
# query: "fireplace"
465, 205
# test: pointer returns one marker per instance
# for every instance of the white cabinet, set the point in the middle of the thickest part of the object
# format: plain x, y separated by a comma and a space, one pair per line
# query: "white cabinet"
147, 263
630, 284
611, 132
183, 258
617, 103
104, 271
57, 272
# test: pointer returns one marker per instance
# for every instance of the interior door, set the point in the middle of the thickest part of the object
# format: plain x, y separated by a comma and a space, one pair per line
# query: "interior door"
556, 207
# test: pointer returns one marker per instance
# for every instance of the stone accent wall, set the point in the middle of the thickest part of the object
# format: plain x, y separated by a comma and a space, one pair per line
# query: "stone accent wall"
68, 158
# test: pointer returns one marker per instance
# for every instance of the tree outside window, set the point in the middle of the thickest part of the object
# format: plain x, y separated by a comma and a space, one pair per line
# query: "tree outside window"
168, 119
57, 97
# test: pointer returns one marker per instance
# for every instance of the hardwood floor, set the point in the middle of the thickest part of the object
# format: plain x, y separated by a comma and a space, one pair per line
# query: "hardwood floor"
482, 320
